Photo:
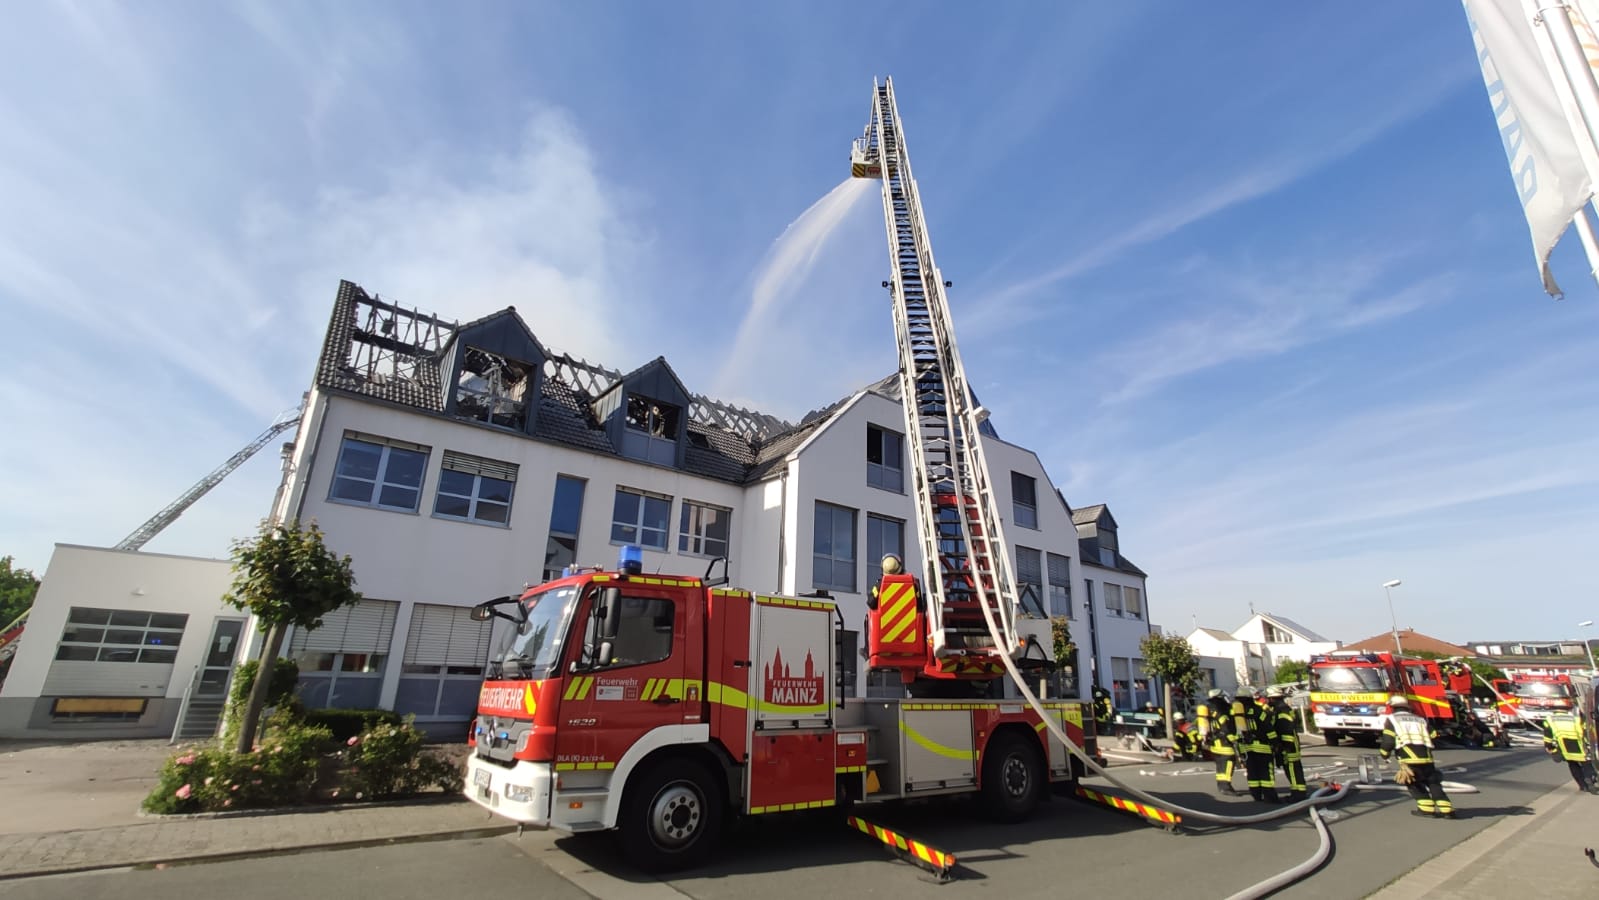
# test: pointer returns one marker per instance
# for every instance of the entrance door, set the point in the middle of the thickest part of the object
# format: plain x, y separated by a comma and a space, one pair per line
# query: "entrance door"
217, 667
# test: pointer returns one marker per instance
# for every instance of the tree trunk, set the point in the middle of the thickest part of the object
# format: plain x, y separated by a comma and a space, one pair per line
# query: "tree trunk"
251, 719
1165, 708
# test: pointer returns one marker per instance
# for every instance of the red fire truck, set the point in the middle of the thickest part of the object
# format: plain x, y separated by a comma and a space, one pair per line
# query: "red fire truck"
1349, 693
660, 706
1537, 696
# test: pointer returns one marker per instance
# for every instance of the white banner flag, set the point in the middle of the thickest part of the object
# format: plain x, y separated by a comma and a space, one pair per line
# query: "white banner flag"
1545, 161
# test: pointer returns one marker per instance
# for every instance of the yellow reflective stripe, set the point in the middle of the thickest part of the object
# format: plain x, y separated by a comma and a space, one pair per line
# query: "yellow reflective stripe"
790, 807
584, 766
727, 695
967, 706
845, 770
794, 603
602, 578
934, 747
728, 592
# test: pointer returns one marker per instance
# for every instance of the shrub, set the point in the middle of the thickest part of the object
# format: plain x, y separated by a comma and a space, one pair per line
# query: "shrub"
388, 760
280, 772
347, 723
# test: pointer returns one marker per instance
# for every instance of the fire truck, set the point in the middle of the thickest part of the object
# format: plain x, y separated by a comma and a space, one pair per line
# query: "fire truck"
659, 707
1349, 693
1539, 696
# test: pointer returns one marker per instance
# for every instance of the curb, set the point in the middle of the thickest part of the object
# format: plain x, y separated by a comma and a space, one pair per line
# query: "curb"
307, 808
231, 856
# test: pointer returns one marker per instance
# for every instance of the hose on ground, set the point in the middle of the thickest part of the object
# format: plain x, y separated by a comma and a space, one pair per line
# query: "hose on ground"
1289, 876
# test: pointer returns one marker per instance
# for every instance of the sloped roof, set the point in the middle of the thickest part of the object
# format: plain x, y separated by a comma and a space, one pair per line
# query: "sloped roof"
1410, 641
1218, 634
1087, 515
1295, 627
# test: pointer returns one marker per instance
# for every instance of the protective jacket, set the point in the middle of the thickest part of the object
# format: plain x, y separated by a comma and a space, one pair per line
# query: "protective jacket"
1256, 728
1563, 737
1407, 735
1216, 726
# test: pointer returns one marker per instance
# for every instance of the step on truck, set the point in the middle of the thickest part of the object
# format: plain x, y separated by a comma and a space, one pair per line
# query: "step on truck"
662, 707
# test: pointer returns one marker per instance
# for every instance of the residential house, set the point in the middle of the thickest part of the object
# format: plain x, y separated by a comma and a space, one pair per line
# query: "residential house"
1256, 648
1115, 597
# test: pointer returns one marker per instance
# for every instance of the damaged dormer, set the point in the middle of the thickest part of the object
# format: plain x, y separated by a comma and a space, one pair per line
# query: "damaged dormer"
645, 414
495, 366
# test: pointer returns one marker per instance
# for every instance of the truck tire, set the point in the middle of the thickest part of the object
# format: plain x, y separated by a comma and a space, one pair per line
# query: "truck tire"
1013, 777
672, 816
1330, 737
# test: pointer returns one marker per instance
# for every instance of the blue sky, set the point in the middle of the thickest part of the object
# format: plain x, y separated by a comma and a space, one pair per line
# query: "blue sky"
1260, 283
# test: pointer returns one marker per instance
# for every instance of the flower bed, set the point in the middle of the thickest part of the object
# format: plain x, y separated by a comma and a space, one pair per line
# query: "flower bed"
295, 763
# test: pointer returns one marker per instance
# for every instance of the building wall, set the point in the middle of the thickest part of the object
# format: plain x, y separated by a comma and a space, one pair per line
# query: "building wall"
1119, 639
115, 580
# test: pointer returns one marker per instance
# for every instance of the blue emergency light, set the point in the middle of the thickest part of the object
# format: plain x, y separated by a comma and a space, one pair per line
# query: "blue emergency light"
631, 560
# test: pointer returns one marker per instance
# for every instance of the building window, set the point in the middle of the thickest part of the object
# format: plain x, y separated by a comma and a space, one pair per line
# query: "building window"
1060, 585
445, 652
341, 663
640, 518
833, 548
1133, 602
493, 389
121, 635
1107, 547
374, 471
883, 536
1121, 685
1024, 496
885, 459
1113, 599
1275, 635
644, 632
475, 489
651, 432
566, 514
1030, 581
702, 530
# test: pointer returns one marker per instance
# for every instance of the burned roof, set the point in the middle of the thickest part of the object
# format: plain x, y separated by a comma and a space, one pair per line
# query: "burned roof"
394, 354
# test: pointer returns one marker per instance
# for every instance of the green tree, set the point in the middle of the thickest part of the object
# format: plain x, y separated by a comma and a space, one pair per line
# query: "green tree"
1060, 631
1291, 670
17, 590
285, 576
1172, 660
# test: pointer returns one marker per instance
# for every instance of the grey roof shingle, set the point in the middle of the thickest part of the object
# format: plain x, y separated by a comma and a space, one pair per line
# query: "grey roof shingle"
1296, 628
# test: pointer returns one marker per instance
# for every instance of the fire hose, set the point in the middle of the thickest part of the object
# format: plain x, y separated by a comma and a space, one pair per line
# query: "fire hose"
1324, 795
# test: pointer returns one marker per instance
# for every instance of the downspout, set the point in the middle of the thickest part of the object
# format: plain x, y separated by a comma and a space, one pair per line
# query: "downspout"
782, 528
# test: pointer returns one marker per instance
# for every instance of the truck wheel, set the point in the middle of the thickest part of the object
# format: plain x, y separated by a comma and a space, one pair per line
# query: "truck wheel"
1013, 777
1330, 737
672, 816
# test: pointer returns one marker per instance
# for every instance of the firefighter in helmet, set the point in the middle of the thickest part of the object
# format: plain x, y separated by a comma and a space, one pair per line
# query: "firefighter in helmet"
1287, 750
892, 565
1565, 737
1257, 738
1184, 738
1104, 710
1409, 737
1216, 730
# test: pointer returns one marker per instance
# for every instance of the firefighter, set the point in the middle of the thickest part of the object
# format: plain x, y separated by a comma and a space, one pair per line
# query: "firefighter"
1257, 739
1185, 740
1287, 750
1408, 736
891, 566
1104, 710
1216, 730
1565, 737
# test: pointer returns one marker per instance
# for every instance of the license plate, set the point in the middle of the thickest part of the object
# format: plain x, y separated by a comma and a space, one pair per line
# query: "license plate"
482, 778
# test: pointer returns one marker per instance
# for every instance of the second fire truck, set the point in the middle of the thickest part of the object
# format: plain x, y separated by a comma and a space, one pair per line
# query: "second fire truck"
1349, 693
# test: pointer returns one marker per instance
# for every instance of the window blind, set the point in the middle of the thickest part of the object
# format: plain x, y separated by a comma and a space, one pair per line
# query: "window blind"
366, 627
477, 465
446, 636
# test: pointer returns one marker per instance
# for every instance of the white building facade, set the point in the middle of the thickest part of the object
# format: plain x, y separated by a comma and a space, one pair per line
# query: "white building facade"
115, 641
1256, 648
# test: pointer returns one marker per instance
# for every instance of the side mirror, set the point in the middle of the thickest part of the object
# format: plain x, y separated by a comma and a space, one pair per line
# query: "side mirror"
490, 609
611, 621
711, 567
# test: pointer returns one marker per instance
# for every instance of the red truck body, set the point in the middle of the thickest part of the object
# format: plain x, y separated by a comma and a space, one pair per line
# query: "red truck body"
658, 707
1349, 692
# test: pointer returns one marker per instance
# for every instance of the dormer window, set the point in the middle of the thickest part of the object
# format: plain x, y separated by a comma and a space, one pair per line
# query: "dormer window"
493, 389
651, 432
1107, 547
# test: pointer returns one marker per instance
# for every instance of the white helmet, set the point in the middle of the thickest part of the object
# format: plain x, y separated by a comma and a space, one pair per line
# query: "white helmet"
1399, 701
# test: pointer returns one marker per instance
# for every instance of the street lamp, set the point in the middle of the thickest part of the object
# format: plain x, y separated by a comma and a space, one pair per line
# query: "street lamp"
1388, 588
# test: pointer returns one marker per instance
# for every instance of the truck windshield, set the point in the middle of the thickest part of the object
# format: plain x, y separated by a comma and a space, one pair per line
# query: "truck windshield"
1349, 679
533, 650
1542, 689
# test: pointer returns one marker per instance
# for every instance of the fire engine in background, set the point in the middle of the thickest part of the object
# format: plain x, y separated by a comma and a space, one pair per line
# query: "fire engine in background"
659, 706
1537, 696
1349, 693
1505, 700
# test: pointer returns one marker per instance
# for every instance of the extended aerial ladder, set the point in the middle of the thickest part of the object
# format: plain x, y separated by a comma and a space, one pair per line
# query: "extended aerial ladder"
167, 516
958, 522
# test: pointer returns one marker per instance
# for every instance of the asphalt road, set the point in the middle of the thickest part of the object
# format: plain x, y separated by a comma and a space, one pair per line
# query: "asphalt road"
1070, 848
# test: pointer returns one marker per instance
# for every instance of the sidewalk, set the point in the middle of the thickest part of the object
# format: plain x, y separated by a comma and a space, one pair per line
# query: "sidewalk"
74, 808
